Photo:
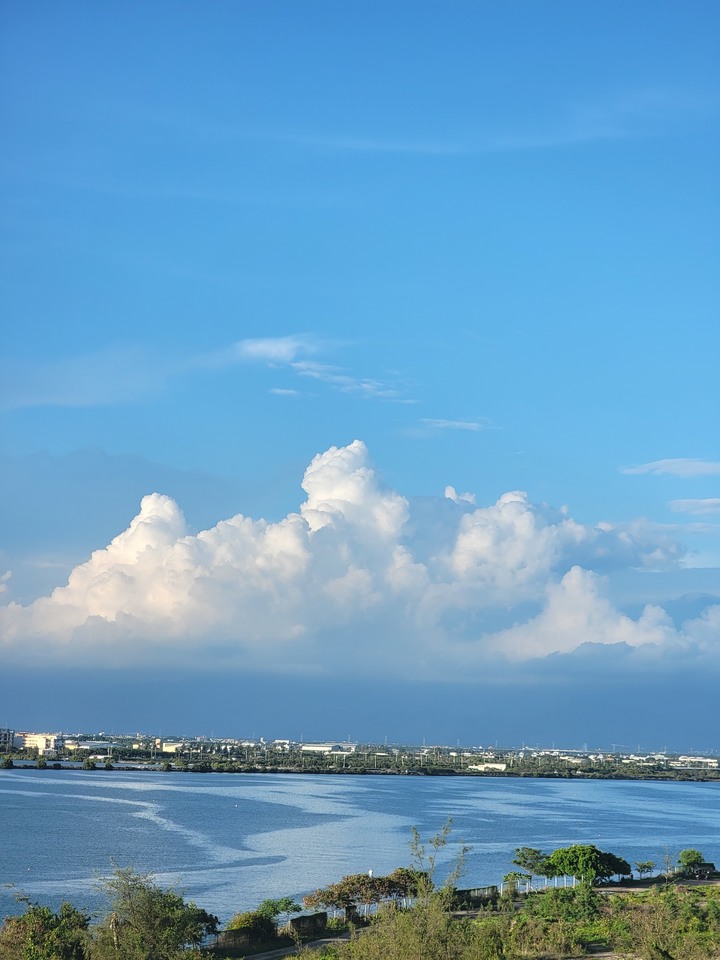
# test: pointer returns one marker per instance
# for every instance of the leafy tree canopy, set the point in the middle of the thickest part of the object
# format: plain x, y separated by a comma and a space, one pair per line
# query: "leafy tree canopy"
40, 934
532, 861
407, 882
586, 861
149, 923
361, 889
274, 908
690, 858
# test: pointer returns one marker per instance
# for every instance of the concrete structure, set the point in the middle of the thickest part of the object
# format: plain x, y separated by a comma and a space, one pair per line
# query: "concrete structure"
7, 740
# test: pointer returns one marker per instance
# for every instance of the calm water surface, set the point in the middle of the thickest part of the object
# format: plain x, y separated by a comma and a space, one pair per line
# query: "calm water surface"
230, 840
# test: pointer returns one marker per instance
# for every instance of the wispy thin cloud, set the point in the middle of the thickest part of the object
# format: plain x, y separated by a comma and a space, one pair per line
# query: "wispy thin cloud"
370, 144
683, 467
636, 113
273, 349
120, 374
470, 146
198, 192
440, 424
269, 351
681, 529
346, 382
114, 375
284, 392
700, 508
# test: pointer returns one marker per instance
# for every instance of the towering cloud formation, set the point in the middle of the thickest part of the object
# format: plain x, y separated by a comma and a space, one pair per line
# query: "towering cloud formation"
426, 588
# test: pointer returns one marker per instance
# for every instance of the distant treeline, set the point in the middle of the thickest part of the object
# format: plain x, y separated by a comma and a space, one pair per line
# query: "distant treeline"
366, 762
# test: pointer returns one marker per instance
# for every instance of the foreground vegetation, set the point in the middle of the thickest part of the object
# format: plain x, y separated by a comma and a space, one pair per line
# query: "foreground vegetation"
666, 921
144, 923
660, 924
404, 916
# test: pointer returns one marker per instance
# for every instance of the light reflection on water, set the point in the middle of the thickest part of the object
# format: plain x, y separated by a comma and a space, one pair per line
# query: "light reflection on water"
229, 841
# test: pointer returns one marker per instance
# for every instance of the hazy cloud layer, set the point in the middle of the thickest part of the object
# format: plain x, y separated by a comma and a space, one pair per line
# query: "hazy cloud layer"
122, 373
360, 575
639, 112
684, 467
472, 425
710, 506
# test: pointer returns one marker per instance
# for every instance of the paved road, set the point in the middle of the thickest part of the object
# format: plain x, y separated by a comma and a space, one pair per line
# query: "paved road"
290, 951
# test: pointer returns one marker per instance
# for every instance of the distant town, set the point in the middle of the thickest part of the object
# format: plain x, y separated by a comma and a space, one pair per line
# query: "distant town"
230, 755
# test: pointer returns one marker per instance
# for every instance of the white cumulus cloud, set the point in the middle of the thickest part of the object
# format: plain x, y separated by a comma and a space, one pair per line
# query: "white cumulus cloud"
358, 574
577, 612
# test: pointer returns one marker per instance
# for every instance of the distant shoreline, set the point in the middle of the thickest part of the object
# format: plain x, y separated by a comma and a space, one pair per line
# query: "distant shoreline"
576, 775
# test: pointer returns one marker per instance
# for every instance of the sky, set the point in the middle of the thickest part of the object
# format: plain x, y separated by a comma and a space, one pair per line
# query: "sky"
359, 374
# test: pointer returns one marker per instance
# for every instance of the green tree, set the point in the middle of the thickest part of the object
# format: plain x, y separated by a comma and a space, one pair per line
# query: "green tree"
534, 862
690, 859
277, 908
348, 894
416, 883
614, 866
404, 884
585, 861
147, 922
644, 867
40, 934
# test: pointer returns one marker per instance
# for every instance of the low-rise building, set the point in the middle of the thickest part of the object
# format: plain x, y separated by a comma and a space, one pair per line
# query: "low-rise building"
46, 744
684, 762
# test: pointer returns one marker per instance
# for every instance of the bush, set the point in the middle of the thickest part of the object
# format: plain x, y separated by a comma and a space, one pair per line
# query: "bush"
147, 922
257, 925
41, 934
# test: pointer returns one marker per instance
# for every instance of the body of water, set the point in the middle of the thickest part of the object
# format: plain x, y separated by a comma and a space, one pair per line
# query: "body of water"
229, 841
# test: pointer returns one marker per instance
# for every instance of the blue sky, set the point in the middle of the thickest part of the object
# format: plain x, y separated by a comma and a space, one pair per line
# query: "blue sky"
403, 319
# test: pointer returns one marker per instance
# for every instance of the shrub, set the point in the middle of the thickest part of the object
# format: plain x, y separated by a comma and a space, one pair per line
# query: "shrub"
258, 925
